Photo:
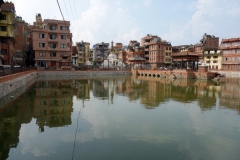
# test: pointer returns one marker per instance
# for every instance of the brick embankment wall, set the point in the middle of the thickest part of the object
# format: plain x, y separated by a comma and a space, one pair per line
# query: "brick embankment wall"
13, 82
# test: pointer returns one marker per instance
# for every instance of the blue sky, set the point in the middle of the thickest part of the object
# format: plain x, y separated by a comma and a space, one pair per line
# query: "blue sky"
177, 21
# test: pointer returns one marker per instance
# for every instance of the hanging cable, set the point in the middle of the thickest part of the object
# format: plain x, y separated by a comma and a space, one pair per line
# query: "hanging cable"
61, 12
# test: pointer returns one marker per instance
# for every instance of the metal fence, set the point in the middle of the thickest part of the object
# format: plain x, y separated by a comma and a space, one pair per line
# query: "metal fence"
12, 70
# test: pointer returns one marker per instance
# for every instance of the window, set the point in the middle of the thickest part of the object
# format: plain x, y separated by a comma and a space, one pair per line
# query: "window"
52, 54
215, 61
52, 28
63, 45
4, 17
53, 93
41, 35
63, 28
53, 45
42, 54
43, 102
53, 36
43, 94
215, 56
63, 36
3, 40
3, 28
3, 51
41, 44
208, 57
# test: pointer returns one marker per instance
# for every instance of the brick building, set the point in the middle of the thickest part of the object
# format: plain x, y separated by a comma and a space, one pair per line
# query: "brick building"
74, 56
22, 47
230, 53
157, 51
207, 43
52, 42
133, 49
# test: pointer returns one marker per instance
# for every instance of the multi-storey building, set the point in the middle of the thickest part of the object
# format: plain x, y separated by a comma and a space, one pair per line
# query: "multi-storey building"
213, 59
91, 55
117, 48
22, 47
83, 49
74, 56
7, 33
207, 43
100, 52
230, 53
52, 42
133, 49
157, 51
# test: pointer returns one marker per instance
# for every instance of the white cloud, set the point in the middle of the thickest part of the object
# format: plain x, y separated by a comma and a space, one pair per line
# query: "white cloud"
147, 2
202, 21
234, 11
105, 21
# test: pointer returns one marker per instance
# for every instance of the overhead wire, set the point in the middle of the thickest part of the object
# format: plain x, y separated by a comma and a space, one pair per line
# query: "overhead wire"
73, 16
71, 26
76, 15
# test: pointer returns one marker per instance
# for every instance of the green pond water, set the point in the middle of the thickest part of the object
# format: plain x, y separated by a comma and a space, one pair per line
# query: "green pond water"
122, 118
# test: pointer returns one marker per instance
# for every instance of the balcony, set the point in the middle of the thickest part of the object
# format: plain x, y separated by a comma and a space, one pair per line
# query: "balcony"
229, 47
52, 40
230, 40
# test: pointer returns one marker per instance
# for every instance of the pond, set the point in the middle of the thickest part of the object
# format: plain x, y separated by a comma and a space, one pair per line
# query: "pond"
122, 118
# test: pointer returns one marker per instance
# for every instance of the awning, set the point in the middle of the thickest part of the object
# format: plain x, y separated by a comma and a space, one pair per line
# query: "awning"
206, 52
219, 51
47, 59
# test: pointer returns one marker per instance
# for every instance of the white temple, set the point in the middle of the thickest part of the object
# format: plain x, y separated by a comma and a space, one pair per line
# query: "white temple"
112, 61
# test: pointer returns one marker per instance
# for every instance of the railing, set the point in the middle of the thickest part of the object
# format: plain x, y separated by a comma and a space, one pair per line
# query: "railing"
13, 70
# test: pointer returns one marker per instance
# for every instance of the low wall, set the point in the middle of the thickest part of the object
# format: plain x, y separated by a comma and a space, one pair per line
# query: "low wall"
79, 74
11, 85
23, 81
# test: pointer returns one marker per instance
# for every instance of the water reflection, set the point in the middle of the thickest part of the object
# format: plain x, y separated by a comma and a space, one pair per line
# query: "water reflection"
112, 111
53, 103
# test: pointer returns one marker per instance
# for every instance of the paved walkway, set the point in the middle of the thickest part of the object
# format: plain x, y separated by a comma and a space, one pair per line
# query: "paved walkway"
12, 76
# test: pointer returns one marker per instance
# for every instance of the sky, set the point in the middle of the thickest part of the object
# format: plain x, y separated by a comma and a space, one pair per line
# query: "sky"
181, 22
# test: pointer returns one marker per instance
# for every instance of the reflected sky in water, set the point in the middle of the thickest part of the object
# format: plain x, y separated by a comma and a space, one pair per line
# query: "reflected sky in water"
123, 118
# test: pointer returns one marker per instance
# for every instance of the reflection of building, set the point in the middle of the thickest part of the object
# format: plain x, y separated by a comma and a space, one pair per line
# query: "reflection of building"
11, 118
230, 94
99, 90
83, 89
7, 33
52, 43
83, 52
230, 53
53, 103
157, 51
